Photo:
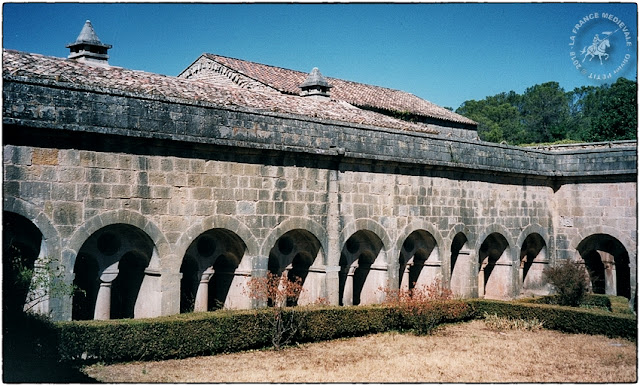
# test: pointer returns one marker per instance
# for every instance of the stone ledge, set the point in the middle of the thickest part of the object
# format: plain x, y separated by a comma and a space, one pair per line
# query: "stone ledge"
241, 128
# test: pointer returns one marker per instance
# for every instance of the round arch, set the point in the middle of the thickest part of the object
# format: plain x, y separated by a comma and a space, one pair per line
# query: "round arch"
50, 235
497, 266
367, 225
609, 264
504, 232
217, 221
544, 234
49, 248
627, 242
420, 256
291, 224
82, 233
297, 247
460, 261
417, 225
535, 252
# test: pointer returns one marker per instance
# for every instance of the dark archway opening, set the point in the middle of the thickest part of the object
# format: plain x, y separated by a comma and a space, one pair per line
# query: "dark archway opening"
595, 268
210, 265
459, 242
120, 247
87, 285
491, 249
220, 283
416, 250
21, 243
358, 254
188, 283
293, 254
126, 286
532, 254
608, 262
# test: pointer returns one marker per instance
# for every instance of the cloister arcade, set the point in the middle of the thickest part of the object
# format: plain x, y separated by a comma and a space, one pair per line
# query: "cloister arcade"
607, 262
116, 274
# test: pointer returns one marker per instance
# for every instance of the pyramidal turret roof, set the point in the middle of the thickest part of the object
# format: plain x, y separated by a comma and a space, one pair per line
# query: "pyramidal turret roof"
88, 36
315, 78
88, 47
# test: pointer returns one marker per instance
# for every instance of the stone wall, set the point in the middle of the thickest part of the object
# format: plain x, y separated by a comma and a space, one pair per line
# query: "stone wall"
353, 207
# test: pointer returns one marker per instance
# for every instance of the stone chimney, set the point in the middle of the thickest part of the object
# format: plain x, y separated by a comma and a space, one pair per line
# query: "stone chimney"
315, 85
88, 47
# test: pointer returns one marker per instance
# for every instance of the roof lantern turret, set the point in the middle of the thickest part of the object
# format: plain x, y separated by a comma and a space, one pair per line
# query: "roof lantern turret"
315, 85
88, 47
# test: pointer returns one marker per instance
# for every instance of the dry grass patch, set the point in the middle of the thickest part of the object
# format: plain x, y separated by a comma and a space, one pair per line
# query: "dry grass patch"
468, 352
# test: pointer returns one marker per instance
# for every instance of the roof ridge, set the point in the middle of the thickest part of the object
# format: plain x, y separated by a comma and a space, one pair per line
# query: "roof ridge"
438, 112
252, 62
306, 73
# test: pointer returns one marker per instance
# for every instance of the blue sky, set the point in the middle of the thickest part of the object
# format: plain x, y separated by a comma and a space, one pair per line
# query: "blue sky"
445, 53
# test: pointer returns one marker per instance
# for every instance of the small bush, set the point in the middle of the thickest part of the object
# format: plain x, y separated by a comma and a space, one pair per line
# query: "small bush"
277, 291
423, 308
570, 281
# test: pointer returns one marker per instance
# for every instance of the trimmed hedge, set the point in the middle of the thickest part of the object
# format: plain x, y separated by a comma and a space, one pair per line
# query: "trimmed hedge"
177, 336
566, 319
620, 305
589, 301
207, 333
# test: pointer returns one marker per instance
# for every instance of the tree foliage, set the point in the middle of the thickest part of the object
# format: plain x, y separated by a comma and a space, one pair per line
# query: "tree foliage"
548, 113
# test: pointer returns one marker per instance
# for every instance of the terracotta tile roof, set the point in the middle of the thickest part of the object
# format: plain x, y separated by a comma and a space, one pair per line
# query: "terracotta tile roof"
220, 90
357, 94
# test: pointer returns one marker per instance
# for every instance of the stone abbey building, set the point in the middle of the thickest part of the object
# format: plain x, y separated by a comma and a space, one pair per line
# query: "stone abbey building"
157, 195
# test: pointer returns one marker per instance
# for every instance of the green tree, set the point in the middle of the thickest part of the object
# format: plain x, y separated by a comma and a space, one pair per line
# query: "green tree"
498, 117
545, 112
615, 113
583, 105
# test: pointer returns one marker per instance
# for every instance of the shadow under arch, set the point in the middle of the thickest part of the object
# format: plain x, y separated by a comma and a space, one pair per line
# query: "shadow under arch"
252, 249
298, 255
127, 217
462, 264
21, 247
534, 258
360, 278
419, 260
110, 270
373, 227
309, 226
608, 263
495, 267
49, 253
209, 270
50, 236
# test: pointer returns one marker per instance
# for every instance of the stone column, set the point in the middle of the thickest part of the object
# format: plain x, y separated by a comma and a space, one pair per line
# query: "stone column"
610, 284
521, 274
404, 281
481, 282
347, 297
462, 275
333, 235
202, 295
102, 310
